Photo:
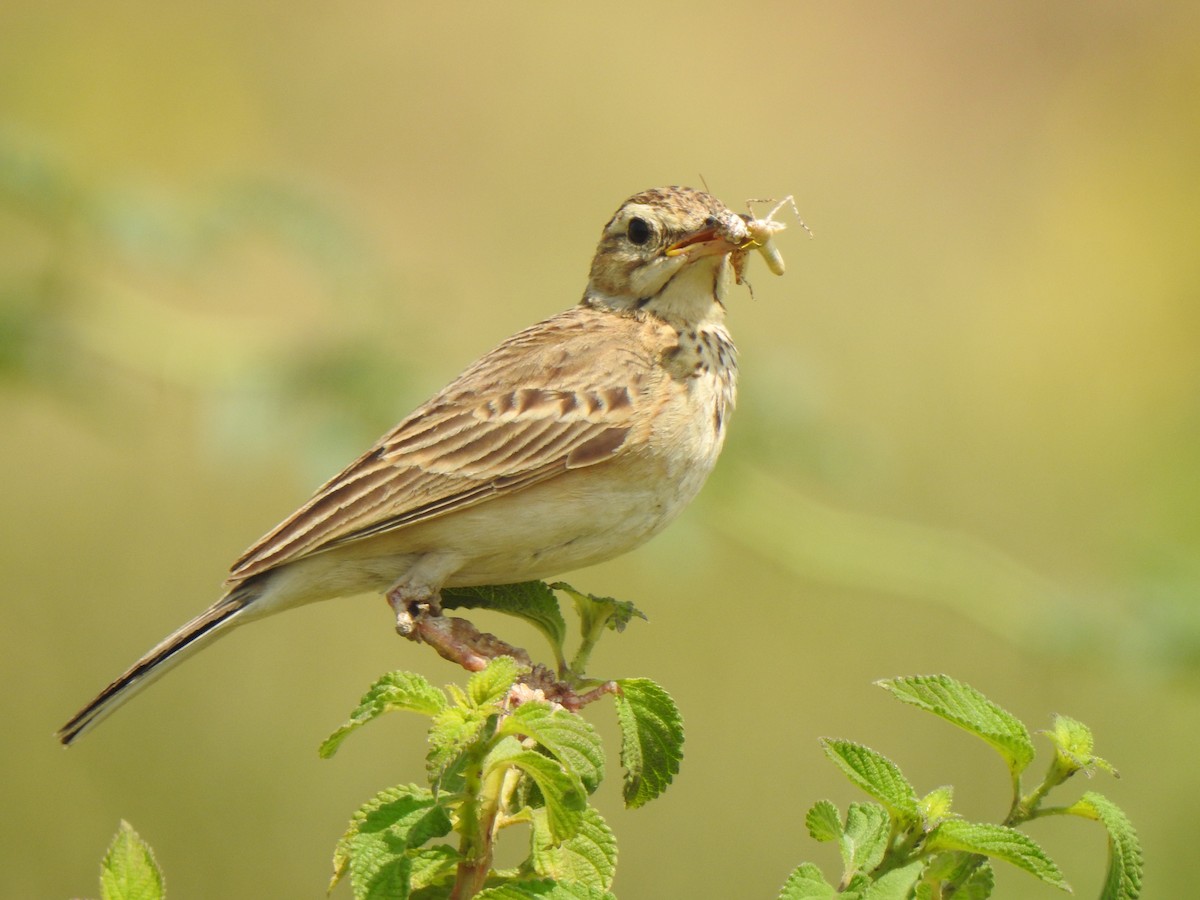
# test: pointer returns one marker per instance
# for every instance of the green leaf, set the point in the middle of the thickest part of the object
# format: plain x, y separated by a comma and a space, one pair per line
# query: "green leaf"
807, 883
588, 857
432, 866
492, 684
969, 873
1124, 878
998, 842
129, 870
823, 821
1073, 742
970, 710
935, 806
978, 886
393, 691
595, 612
876, 774
532, 601
568, 737
453, 730
563, 793
544, 890
384, 828
651, 739
896, 884
865, 838
377, 872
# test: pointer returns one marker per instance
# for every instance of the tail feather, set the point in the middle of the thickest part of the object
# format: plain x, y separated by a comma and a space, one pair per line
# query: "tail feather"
218, 619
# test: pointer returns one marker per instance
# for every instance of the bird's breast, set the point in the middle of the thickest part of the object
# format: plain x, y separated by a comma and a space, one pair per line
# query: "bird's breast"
690, 428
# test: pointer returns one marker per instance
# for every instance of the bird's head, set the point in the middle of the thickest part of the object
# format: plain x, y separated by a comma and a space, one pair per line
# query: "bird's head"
666, 250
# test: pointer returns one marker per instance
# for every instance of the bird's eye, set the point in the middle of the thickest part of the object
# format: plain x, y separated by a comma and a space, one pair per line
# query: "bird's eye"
639, 231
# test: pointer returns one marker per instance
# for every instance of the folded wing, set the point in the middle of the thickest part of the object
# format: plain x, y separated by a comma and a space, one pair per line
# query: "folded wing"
486, 435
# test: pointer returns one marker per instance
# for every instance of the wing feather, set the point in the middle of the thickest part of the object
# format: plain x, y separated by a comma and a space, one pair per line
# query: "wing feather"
486, 435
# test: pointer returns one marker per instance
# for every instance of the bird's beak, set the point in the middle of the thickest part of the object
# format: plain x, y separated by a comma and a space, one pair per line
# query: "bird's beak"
705, 242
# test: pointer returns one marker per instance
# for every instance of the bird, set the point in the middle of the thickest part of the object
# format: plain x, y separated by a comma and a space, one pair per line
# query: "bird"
572, 442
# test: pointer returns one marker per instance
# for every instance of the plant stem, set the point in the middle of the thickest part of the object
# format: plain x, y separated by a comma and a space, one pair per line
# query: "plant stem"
477, 826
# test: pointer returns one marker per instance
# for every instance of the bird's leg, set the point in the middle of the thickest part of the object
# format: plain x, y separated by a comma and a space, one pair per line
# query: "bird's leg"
411, 604
419, 618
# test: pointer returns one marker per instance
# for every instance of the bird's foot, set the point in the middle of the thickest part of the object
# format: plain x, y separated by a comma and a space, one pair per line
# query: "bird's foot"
411, 606
419, 618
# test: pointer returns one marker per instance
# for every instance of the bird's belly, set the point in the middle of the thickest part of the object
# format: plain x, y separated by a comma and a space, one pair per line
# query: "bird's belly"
579, 519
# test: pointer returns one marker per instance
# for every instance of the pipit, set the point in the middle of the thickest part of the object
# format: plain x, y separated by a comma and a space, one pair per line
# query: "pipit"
572, 442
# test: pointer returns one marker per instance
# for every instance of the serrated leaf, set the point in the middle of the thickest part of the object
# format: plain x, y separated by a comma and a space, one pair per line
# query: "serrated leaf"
854, 887
393, 691
807, 883
997, 842
436, 892
543, 890
978, 886
970, 874
823, 821
865, 838
492, 684
1073, 744
651, 739
562, 792
1124, 878
395, 820
568, 737
935, 806
377, 870
595, 611
432, 866
532, 601
129, 870
894, 885
453, 730
588, 857
970, 710
876, 774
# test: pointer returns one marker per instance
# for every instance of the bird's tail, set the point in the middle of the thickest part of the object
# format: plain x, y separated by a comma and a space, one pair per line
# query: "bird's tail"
218, 619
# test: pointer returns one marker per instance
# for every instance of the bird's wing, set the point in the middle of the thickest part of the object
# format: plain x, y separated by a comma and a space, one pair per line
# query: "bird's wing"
563, 394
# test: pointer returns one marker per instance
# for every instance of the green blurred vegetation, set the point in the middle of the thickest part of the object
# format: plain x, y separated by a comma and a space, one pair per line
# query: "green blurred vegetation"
238, 241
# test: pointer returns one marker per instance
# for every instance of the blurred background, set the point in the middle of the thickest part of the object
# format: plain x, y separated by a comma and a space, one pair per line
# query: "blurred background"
239, 240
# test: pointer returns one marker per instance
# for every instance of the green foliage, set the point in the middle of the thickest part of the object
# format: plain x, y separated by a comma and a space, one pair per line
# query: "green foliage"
998, 842
651, 739
129, 870
565, 737
807, 883
969, 710
502, 755
596, 615
876, 774
395, 690
1124, 878
919, 848
589, 857
544, 890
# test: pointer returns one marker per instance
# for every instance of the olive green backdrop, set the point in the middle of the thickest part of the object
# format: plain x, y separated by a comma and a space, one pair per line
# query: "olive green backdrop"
239, 240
